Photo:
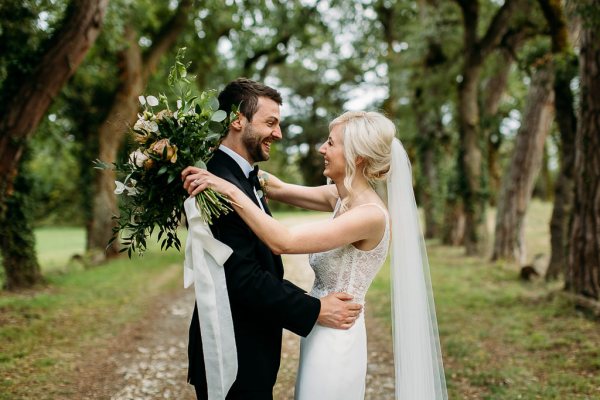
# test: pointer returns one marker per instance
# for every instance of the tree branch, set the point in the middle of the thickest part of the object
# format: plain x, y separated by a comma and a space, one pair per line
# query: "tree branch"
386, 16
516, 36
166, 37
266, 51
498, 27
31, 99
470, 12
557, 24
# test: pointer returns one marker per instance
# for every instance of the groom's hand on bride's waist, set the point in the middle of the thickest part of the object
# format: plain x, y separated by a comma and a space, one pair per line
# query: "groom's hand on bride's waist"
338, 312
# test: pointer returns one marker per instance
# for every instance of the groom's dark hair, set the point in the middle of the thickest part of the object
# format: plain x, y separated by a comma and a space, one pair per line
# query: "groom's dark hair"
244, 93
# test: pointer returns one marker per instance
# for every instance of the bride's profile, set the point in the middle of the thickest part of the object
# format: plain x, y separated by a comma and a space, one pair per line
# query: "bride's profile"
348, 250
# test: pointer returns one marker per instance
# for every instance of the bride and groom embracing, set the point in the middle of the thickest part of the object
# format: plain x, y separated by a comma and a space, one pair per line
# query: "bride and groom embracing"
346, 252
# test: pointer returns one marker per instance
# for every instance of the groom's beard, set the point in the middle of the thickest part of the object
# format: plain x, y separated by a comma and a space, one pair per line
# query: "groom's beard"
253, 143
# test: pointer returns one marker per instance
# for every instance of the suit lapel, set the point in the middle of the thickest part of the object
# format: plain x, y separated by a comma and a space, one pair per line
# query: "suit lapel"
221, 158
265, 206
224, 166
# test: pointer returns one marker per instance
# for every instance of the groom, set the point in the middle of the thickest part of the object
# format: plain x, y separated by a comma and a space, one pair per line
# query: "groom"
262, 303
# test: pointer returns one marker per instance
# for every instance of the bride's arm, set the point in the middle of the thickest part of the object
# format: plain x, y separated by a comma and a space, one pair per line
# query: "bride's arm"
350, 227
319, 198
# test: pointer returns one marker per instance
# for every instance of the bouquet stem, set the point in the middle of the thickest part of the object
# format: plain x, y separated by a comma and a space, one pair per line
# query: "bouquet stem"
211, 205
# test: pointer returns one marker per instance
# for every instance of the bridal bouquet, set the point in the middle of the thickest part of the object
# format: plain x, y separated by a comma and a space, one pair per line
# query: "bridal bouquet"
168, 137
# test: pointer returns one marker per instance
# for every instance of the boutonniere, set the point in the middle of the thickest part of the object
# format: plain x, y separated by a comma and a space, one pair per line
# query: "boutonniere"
263, 181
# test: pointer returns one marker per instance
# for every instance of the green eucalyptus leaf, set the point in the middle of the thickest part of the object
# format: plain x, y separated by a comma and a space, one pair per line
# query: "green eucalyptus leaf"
216, 127
200, 164
213, 103
219, 116
213, 137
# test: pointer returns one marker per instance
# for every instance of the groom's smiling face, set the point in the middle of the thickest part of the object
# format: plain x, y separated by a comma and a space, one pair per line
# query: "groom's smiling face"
258, 135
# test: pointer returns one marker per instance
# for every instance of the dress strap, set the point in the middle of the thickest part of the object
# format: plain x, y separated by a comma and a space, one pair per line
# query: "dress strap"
385, 212
338, 203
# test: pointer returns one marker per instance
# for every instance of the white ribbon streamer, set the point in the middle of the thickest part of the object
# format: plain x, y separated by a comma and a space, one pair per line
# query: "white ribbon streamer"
203, 267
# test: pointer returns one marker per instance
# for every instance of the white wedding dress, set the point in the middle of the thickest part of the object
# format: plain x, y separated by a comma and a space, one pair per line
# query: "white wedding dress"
333, 362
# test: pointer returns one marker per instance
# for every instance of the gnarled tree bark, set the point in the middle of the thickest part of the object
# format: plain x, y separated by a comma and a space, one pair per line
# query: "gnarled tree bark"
566, 69
426, 104
470, 156
583, 275
23, 109
525, 163
30, 102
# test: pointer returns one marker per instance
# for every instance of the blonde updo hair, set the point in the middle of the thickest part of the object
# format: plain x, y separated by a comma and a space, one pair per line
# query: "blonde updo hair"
368, 135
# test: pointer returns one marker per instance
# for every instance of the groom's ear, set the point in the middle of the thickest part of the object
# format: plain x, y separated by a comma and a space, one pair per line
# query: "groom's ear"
239, 122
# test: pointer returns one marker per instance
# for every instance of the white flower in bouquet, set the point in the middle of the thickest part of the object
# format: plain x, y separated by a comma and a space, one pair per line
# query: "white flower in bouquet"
152, 101
144, 125
138, 158
120, 187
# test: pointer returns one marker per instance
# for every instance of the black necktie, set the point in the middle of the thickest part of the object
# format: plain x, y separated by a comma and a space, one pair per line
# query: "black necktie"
253, 178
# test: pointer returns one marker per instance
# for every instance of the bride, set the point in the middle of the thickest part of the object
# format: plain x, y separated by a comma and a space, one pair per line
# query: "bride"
347, 251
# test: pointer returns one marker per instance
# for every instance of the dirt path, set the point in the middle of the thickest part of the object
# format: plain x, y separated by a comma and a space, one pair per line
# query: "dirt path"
149, 360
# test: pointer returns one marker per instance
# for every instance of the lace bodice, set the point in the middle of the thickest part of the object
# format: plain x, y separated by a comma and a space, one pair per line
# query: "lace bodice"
348, 269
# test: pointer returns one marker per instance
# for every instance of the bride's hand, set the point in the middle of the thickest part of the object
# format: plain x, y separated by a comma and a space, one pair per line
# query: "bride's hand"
195, 180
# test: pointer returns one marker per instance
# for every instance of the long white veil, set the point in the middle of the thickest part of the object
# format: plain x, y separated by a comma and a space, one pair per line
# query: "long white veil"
417, 355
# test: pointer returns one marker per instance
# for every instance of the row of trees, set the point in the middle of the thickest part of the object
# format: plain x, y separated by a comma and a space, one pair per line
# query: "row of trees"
482, 92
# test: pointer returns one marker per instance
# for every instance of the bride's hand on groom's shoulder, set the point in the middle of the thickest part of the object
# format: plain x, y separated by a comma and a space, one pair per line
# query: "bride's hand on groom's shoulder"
338, 312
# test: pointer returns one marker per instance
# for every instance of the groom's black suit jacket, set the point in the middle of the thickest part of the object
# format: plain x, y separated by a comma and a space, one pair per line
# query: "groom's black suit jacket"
262, 303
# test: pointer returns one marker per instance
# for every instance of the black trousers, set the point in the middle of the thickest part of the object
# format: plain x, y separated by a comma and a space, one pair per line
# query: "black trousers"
201, 395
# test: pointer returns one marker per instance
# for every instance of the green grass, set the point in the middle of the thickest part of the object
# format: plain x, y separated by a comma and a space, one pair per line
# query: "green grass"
55, 246
501, 338
43, 333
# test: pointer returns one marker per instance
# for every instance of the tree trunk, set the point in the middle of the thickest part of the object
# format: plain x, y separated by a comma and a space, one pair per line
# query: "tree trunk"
30, 102
429, 124
584, 256
17, 242
311, 164
387, 18
426, 105
543, 186
453, 230
518, 182
470, 161
19, 260
430, 202
469, 155
135, 70
566, 69
493, 92
564, 186
110, 136
22, 114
